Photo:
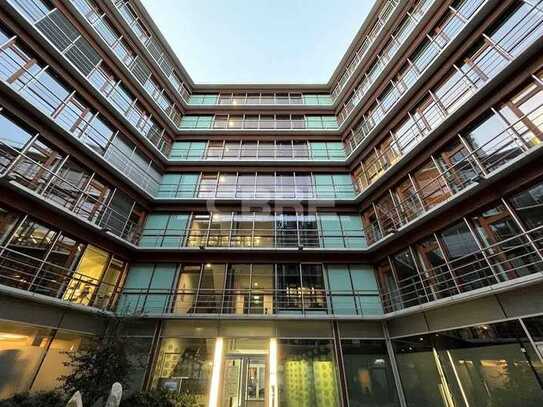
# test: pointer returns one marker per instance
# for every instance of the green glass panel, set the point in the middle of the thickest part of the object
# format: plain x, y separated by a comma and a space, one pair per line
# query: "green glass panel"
340, 286
352, 230
343, 186
331, 230
311, 100
189, 122
197, 149
163, 278
313, 122
324, 186
318, 150
204, 122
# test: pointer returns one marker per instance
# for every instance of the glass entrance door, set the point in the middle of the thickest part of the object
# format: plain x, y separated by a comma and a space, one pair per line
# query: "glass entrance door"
244, 381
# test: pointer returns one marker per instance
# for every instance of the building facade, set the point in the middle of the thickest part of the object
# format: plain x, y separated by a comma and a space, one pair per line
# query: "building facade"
373, 241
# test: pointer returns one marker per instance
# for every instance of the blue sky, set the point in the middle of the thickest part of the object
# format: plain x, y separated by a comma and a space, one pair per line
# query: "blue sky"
259, 41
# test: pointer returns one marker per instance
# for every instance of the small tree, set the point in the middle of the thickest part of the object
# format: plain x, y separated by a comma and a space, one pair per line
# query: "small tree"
94, 367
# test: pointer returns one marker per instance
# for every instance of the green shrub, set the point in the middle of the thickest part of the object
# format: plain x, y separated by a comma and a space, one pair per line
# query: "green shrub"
148, 399
41, 399
161, 398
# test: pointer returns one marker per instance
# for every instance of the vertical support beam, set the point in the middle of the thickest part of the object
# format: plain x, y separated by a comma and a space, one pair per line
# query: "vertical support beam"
216, 374
394, 365
154, 356
340, 365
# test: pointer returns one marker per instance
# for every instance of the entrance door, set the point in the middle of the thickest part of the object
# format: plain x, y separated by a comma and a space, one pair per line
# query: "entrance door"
244, 381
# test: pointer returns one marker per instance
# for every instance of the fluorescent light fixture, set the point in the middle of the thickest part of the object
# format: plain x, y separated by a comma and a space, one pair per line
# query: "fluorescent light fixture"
273, 391
216, 374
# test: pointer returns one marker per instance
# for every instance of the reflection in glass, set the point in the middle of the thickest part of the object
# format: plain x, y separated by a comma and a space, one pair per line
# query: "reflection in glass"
368, 374
184, 367
485, 365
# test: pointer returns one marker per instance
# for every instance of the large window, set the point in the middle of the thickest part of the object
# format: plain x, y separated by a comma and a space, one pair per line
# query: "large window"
40, 259
178, 185
480, 365
511, 255
21, 354
163, 230
148, 289
13, 138
353, 290
368, 373
184, 366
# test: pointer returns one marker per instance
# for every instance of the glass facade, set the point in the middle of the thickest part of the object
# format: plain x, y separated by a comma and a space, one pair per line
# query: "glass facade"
45, 260
252, 185
481, 365
257, 149
484, 147
256, 230
251, 289
495, 244
277, 245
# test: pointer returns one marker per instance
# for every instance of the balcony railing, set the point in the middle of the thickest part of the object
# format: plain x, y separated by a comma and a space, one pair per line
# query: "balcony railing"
133, 62
153, 46
266, 302
76, 50
72, 116
384, 14
520, 35
257, 151
52, 187
505, 261
24, 272
256, 238
384, 59
488, 158
257, 123
256, 191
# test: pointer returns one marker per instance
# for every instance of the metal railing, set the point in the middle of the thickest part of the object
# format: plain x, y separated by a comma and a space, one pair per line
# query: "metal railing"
383, 60
260, 124
24, 272
506, 260
54, 188
492, 155
493, 60
122, 100
253, 238
71, 118
100, 24
257, 98
293, 301
256, 191
384, 14
155, 50
261, 152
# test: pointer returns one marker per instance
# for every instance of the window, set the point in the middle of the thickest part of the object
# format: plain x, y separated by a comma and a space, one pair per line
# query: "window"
509, 252
316, 357
492, 143
431, 187
147, 289
178, 185
467, 263
162, 230
368, 373
188, 150
408, 279
344, 231
437, 279
37, 168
